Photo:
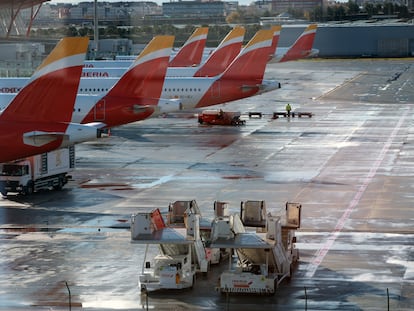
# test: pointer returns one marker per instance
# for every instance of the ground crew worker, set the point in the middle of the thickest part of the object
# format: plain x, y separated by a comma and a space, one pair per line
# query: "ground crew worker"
288, 109
221, 114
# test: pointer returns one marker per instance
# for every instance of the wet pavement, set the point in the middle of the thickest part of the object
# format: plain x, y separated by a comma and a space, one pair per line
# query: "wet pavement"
350, 165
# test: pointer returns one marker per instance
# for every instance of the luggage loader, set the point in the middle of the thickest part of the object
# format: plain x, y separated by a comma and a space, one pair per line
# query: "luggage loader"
204, 255
262, 259
170, 266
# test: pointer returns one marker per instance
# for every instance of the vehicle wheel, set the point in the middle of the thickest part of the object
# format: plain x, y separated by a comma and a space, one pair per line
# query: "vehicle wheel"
274, 288
205, 274
59, 186
28, 189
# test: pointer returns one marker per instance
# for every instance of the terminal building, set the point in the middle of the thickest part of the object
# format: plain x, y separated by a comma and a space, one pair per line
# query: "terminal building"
358, 39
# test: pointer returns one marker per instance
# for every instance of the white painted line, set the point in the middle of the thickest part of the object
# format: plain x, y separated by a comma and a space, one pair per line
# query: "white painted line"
321, 253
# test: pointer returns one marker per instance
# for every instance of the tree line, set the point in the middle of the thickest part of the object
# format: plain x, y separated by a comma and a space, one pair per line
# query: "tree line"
143, 34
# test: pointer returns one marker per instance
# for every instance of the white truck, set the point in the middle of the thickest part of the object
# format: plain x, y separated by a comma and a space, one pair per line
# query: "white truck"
263, 258
44, 171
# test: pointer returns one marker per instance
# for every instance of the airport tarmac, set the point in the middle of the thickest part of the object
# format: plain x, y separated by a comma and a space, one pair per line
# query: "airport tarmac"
351, 166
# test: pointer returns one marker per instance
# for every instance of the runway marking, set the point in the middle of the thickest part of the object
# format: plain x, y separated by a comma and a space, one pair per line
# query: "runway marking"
321, 253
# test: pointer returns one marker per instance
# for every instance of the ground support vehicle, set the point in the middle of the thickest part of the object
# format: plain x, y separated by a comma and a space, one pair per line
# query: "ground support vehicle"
172, 264
177, 216
44, 171
262, 259
220, 117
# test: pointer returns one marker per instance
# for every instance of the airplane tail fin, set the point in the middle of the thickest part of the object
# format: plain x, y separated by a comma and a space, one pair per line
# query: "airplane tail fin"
56, 79
223, 55
275, 40
145, 77
302, 46
251, 62
191, 52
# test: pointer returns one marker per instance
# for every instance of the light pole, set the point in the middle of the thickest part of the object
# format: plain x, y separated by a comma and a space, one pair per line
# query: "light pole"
70, 296
95, 25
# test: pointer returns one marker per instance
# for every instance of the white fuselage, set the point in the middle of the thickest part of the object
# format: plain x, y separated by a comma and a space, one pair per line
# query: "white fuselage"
188, 90
117, 72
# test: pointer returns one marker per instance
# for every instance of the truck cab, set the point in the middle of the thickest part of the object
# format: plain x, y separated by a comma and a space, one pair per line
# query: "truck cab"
16, 177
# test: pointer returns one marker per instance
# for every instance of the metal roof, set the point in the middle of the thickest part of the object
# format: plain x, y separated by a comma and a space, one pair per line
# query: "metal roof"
20, 4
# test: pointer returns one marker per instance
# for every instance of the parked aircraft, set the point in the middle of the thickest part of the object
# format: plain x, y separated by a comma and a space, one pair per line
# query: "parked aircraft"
134, 97
192, 51
37, 119
190, 54
222, 56
219, 59
243, 78
275, 40
301, 48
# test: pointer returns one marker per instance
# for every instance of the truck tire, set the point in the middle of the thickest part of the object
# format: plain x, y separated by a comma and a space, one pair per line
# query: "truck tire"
28, 189
205, 274
59, 186
274, 288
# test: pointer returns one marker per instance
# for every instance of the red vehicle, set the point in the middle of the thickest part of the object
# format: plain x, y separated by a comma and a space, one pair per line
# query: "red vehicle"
220, 117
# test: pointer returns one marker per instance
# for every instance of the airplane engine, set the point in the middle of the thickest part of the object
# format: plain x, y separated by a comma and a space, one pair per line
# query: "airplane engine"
78, 133
169, 105
269, 85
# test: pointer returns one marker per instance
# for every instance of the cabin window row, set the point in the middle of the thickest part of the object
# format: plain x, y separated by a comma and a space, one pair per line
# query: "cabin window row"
93, 90
182, 90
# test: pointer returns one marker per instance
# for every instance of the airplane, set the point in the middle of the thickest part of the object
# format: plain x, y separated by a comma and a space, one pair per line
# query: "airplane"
243, 78
219, 59
188, 55
301, 48
38, 118
134, 97
192, 51
275, 41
